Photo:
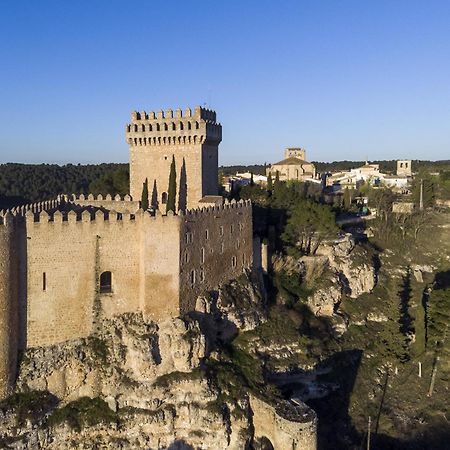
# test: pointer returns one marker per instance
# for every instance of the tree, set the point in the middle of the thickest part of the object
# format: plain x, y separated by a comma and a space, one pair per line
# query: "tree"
144, 197
347, 199
269, 182
172, 192
308, 224
252, 183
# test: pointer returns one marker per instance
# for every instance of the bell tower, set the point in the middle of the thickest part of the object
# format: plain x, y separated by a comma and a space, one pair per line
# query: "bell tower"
192, 139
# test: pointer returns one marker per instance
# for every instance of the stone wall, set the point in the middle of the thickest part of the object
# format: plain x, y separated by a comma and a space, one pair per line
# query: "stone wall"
216, 246
192, 139
287, 426
65, 256
9, 308
158, 264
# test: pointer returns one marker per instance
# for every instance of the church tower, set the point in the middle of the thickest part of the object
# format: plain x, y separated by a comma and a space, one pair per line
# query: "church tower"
191, 138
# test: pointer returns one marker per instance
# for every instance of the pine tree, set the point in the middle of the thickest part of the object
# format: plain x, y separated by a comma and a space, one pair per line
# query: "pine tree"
172, 192
347, 199
277, 179
252, 183
269, 182
144, 197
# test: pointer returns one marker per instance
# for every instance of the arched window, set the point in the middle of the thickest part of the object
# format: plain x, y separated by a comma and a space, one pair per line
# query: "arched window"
164, 198
192, 277
135, 128
181, 125
197, 125
166, 127
158, 127
189, 125
233, 261
173, 126
106, 282
143, 127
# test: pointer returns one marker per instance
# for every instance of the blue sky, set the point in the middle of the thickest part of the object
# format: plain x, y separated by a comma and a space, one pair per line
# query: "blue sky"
344, 79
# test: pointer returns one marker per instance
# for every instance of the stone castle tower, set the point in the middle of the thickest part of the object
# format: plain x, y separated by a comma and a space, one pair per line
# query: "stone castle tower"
191, 138
404, 167
295, 152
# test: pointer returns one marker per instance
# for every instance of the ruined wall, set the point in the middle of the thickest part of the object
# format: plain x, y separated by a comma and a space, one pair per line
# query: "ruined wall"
216, 246
66, 255
116, 203
192, 139
9, 304
287, 426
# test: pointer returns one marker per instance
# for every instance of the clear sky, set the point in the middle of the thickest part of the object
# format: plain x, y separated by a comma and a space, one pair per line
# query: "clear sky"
344, 79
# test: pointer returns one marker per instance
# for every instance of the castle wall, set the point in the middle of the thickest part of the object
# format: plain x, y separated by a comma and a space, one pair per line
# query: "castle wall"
9, 304
216, 246
289, 427
72, 254
159, 272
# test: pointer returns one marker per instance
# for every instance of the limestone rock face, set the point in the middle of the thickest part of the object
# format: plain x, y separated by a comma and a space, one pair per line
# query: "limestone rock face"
322, 302
144, 381
240, 303
339, 267
356, 279
352, 264
181, 344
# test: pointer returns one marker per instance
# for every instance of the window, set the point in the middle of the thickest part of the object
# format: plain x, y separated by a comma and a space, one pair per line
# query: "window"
188, 238
243, 259
232, 228
206, 234
233, 262
186, 257
202, 276
221, 230
222, 247
192, 277
238, 243
105, 282
202, 257
164, 198
44, 281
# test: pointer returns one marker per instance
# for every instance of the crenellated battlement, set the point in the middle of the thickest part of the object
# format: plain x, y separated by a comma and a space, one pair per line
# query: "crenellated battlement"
173, 128
99, 197
94, 216
241, 204
36, 207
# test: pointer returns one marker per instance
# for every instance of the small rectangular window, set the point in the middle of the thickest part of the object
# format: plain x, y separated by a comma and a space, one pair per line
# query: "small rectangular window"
232, 228
44, 281
221, 230
206, 234
202, 258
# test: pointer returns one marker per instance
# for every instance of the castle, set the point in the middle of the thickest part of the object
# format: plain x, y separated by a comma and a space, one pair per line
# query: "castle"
67, 262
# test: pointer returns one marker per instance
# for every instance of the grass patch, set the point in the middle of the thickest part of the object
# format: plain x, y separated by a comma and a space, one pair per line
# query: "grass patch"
31, 405
167, 379
83, 412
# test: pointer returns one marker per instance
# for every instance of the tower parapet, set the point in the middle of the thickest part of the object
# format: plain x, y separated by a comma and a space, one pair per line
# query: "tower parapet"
190, 138
169, 128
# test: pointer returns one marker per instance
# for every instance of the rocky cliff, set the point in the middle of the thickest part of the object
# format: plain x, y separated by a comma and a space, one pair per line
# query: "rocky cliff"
137, 384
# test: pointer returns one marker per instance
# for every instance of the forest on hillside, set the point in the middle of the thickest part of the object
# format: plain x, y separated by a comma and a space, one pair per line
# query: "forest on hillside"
26, 183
